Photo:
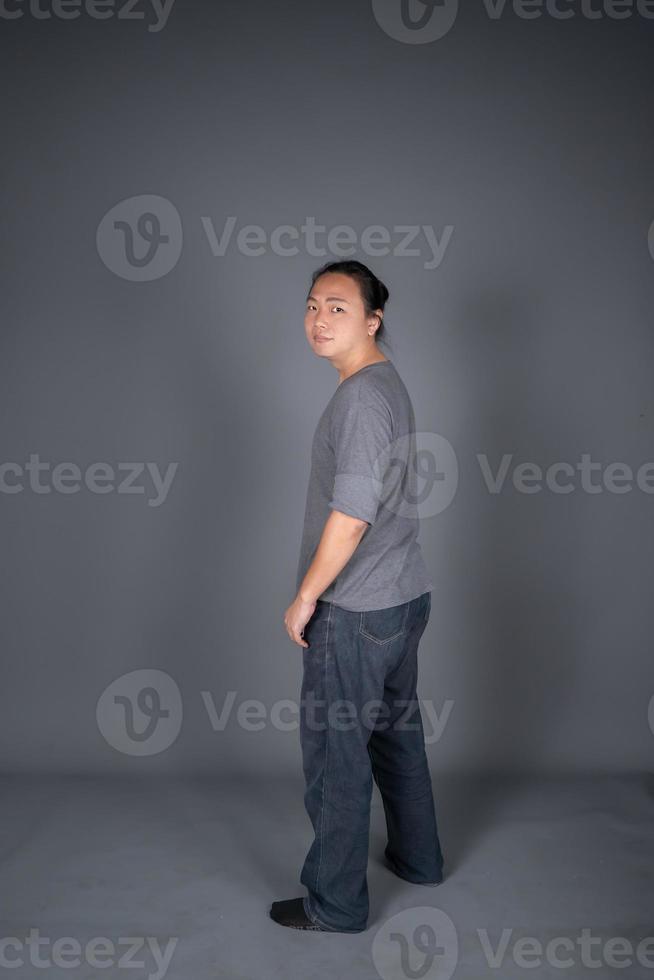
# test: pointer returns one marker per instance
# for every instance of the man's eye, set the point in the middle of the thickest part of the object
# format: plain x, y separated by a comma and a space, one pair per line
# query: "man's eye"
339, 308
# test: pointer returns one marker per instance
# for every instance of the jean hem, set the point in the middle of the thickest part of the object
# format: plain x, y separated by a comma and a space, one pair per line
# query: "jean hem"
317, 922
390, 864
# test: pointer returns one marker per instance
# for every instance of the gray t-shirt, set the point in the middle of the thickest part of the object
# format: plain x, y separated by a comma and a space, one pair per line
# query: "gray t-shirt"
363, 463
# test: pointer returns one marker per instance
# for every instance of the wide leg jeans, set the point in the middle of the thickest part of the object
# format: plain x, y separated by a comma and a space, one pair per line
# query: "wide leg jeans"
360, 720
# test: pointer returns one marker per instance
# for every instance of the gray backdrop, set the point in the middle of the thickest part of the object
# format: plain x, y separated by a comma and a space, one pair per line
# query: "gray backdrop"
133, 332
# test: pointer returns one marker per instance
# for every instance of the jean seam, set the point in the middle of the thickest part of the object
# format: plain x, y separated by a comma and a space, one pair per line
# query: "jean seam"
421, 625
428, 609
314, 918
324, 772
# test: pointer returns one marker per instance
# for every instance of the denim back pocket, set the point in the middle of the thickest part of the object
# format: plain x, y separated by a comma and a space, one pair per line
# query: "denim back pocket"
384, 625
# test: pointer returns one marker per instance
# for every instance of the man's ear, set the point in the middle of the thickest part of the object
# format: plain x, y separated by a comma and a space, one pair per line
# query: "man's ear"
377, 316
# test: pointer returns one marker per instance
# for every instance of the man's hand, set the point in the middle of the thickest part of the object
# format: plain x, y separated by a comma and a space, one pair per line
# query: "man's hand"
296, 618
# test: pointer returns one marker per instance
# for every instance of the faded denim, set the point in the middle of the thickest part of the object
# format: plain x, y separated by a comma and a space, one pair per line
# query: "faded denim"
361, 659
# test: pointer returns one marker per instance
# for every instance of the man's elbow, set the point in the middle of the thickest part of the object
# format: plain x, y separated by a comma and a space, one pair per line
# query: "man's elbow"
356, 524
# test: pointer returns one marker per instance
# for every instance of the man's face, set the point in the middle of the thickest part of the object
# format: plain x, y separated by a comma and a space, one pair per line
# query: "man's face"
335, 319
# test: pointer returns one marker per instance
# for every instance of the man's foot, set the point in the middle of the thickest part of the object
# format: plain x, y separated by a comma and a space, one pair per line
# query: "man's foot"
291, 913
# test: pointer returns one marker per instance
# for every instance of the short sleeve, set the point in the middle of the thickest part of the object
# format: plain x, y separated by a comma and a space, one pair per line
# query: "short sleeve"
361, 434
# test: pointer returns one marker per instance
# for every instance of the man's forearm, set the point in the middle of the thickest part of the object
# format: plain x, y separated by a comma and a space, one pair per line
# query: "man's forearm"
339, 540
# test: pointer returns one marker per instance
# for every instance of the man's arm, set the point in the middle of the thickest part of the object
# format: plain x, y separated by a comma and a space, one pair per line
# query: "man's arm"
362, 434
338, 542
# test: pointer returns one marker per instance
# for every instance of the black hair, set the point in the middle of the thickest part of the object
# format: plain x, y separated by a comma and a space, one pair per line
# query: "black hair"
373, 291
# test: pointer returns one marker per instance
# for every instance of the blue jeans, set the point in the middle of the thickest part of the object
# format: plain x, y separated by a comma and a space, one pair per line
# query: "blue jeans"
360, 719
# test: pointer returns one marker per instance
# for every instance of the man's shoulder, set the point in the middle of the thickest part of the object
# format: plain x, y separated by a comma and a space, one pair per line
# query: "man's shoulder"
367, 391
370, 385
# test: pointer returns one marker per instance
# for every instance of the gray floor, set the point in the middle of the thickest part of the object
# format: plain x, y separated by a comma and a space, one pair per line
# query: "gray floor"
200, 860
